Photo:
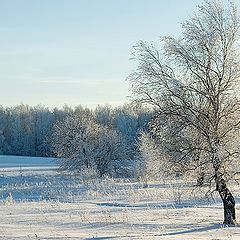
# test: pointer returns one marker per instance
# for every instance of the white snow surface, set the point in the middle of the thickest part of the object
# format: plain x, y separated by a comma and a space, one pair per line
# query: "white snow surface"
14, 164
51, 205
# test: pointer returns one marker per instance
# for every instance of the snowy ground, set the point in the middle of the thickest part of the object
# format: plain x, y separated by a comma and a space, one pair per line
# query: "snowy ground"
20, 165
48, 205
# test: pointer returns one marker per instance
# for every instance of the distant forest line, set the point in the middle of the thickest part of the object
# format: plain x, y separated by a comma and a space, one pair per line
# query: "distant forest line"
27, 130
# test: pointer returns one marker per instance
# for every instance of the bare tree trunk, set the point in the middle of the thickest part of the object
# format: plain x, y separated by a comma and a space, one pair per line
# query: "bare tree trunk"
228, 201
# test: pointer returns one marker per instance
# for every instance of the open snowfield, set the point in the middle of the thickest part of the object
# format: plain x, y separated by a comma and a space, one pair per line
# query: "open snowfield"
39, 203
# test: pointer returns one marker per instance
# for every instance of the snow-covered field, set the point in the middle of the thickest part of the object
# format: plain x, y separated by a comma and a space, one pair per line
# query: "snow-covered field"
45, 204
19, 164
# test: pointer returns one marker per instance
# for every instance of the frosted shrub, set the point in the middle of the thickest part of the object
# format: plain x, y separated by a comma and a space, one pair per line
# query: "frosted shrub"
9, 200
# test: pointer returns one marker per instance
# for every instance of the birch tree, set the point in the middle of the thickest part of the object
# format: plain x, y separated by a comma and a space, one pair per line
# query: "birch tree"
193, 85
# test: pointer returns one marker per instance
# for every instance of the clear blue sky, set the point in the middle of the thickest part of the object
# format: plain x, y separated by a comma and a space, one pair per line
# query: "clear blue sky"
54, 52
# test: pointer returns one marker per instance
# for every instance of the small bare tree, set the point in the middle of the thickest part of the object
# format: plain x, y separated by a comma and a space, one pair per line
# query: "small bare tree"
193, 84
148, 165
82, 144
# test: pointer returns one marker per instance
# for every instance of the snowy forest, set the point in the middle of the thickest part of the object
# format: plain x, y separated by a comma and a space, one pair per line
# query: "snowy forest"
104, 138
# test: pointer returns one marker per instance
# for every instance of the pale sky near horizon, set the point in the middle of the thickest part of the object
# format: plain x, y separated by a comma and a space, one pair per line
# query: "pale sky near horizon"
56, 52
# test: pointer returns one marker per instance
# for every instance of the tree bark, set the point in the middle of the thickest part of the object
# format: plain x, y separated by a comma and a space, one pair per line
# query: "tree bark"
228, 202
